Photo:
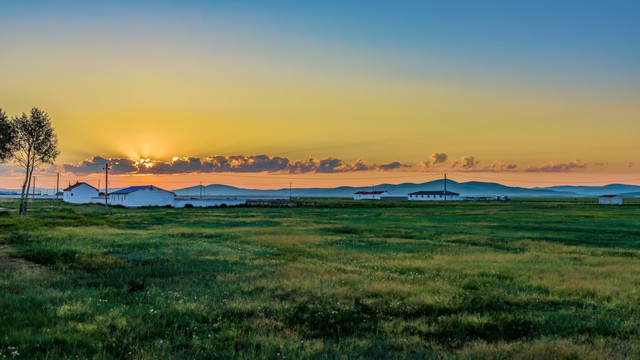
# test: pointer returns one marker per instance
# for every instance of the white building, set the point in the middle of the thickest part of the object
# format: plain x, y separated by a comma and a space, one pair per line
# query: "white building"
79, 193
433, 196
369, 195
137, 196
610, 200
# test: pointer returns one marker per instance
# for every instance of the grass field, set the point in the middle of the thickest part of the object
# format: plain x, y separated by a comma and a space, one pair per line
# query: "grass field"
530, 279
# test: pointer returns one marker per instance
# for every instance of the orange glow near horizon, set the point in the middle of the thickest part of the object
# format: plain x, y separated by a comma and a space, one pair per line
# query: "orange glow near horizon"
361, 179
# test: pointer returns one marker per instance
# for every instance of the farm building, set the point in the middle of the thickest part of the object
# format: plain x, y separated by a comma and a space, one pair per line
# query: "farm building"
433, 196
136, 196
369, 195
79, 193
610, 200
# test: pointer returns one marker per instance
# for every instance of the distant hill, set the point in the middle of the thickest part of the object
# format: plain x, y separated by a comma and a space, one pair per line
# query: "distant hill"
593, 191
630, 194
471, 188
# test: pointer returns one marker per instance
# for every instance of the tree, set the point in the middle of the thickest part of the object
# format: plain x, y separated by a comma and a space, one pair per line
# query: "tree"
36, 143
7, 137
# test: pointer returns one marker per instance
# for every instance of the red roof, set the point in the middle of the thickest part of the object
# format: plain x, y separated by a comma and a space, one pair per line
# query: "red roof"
370, 192
608, 196
78, 184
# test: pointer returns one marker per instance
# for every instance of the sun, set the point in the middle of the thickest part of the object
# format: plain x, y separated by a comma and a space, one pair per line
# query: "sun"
144, 162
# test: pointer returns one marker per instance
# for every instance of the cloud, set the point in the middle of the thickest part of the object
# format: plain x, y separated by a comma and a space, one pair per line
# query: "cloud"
629, 164
214, 164
393, 166
329, 165
466, 162
469, 162
500, 166
302, 166
283, 165
437, 158
233, 163
97, 163
557, 167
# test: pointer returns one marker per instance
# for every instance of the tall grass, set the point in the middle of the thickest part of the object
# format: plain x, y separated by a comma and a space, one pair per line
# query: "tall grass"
525, 279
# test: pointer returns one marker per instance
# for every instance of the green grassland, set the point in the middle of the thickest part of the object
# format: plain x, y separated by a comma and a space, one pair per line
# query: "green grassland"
525, 279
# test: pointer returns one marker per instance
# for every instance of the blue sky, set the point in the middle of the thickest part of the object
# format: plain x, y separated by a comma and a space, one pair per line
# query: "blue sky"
519, 82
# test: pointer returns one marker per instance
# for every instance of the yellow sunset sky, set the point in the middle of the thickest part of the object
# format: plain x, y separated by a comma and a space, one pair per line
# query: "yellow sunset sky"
159, 81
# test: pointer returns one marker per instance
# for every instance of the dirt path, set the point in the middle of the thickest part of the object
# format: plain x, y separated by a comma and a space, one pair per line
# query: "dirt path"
9, 261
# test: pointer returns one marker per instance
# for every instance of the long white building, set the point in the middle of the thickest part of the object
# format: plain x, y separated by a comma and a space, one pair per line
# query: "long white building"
137, 196
369, 195
433, 196
610, 200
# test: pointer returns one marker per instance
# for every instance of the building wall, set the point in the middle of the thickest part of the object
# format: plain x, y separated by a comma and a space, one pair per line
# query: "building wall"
434, 198
369, 196
150, 197
610, 200
145, 197
80, 194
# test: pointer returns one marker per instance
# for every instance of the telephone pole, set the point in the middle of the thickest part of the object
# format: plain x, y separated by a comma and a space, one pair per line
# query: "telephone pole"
200, 189
58, 184
106, 187
289, 191
33, 193
445, 190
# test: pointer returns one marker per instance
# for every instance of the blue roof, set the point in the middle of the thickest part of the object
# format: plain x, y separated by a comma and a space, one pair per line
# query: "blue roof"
131, 189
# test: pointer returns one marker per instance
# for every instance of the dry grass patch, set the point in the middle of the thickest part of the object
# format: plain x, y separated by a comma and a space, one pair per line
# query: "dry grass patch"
541, 350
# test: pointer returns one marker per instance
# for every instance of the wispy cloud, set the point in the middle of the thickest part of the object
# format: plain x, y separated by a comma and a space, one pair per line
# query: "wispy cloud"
558, 167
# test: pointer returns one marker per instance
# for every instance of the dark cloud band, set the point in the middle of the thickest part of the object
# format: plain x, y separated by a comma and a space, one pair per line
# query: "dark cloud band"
277, 164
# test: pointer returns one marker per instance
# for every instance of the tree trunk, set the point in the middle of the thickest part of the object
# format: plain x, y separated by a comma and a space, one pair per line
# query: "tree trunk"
24, 197
21, 212
25, 188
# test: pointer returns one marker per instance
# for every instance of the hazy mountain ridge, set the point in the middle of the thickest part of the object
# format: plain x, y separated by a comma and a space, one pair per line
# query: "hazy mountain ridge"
471, 188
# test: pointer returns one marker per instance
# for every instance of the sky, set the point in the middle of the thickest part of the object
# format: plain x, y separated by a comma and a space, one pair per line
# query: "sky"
328, 93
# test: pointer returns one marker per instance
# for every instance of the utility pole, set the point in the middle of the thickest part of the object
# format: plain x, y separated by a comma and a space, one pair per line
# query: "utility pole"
106, 187
445, 191
98, 185
33, 193
289, 191
201, 190
57, 184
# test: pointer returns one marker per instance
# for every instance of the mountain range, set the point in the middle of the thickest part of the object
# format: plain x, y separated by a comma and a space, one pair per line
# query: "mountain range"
471, 188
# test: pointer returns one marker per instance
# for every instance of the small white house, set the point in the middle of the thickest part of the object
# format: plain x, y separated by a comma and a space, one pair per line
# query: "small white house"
433, 196
369, 195
79, 193
610, 200
137, 196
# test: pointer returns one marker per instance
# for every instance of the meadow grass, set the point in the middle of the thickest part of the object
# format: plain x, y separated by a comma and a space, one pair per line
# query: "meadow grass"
526, 279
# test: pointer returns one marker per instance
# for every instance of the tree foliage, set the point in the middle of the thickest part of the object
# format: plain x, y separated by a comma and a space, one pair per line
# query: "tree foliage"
36, 143
7, 137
